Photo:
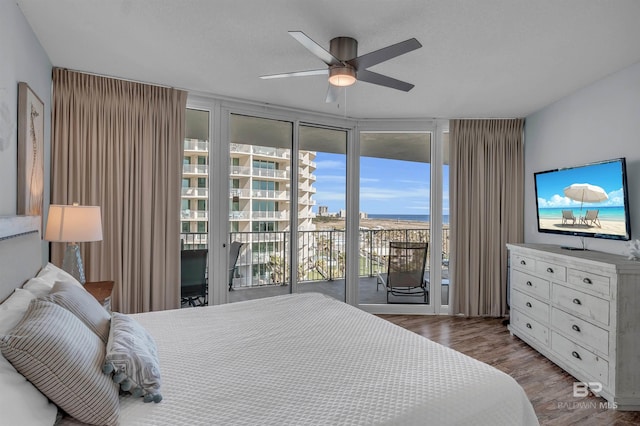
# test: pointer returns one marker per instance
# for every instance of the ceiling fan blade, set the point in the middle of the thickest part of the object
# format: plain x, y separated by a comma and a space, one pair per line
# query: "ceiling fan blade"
296, 74
332, 93
383, 80
315, 48
384, 54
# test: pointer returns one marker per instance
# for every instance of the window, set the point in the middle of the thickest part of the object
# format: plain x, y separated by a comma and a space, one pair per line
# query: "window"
202, 227
202, 182
264, 226
202, 205
186, 183
186, 227
185, 204
202, 160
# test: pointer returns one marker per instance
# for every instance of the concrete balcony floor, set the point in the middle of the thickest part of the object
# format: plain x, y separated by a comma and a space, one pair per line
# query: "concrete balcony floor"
368, 294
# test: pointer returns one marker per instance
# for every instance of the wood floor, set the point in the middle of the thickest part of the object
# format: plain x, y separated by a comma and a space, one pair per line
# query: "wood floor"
548, 387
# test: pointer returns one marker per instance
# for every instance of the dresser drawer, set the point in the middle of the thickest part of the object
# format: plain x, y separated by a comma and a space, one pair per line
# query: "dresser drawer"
580, 330
581, 303
551, 271
581, 358
529, 284
529, 327
587, 280
530, 306
523, 262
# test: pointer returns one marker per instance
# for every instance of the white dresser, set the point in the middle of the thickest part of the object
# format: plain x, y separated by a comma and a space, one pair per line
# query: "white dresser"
580, 309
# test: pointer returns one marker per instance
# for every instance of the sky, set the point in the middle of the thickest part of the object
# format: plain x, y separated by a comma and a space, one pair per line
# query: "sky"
386, 186
608, 176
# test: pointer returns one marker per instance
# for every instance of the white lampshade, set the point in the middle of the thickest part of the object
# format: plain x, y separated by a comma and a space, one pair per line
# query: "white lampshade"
73, 223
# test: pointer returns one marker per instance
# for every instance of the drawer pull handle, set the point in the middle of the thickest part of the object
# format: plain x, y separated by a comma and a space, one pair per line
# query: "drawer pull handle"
529, 283
575, 355
522, 262
587, 281
550, 270
528, 304
576, 328
577, 301
528, 325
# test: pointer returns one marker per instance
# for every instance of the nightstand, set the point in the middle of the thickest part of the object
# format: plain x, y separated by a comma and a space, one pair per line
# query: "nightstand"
101, 290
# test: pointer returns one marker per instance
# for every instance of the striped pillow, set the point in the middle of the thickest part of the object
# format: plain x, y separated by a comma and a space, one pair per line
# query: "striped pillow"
83, 305
56, 352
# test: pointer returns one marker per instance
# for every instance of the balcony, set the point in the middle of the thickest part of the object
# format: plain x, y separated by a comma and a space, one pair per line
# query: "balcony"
280, 215
195, 145
263, 266
270, 194
242, 193
195, 169
241, 170
193, 192
199, 215
270, 173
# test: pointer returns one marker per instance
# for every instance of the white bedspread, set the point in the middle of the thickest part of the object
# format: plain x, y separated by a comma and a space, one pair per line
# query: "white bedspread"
310, 360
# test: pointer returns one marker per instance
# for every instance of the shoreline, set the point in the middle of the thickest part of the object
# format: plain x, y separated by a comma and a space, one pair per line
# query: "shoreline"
615, 227
336, 223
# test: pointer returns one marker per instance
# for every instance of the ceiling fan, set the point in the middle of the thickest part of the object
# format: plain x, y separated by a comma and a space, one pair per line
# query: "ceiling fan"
345, 66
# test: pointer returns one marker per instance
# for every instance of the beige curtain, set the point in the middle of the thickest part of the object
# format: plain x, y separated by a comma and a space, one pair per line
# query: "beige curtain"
118, 144
486, 211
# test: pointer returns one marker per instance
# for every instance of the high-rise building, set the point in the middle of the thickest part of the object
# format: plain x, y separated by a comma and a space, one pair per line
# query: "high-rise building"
259, 204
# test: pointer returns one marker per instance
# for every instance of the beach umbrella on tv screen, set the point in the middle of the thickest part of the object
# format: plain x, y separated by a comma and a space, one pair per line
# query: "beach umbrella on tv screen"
585, 193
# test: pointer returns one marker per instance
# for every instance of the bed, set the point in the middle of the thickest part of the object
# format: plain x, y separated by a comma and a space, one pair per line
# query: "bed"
308, 359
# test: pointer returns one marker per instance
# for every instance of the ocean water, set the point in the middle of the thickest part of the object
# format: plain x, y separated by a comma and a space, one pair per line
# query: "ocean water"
605, 213
408, 217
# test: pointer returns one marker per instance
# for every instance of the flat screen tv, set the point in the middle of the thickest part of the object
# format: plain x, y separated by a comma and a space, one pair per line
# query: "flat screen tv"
586, 201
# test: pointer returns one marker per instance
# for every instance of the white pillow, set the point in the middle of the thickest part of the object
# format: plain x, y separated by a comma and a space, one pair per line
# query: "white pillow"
38, 287
51, 273
12, 310
21, 402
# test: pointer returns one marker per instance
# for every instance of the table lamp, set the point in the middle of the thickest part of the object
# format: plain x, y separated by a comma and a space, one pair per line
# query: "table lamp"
73, 224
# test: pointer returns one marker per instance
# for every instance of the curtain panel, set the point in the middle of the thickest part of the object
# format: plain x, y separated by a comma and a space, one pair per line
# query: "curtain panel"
119, 145
486, 211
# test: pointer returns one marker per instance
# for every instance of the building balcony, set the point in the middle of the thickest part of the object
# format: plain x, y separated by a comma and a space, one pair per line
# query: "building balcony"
281, 215
270, 173
195, 169
271, 195
198, 215
241, 170
265, 151
192, 192
196, 146
242, 193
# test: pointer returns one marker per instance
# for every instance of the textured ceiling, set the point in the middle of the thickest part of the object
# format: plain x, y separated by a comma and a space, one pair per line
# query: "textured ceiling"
480, 58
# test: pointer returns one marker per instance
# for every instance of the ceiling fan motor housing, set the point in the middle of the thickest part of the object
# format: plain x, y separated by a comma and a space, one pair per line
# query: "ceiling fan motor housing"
344, 48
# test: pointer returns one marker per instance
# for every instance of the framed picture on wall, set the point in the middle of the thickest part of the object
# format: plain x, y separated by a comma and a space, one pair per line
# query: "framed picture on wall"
30, 151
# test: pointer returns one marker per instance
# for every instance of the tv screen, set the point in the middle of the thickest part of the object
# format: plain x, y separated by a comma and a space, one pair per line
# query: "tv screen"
588, 200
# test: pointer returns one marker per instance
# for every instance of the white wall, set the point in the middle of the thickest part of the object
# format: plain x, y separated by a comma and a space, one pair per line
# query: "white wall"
598, 122
22, 58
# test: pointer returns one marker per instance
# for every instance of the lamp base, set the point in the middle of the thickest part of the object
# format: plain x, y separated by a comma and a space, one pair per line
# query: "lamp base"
72, 262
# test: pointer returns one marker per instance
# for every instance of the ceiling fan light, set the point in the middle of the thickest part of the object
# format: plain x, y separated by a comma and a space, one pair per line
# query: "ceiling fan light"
342, 76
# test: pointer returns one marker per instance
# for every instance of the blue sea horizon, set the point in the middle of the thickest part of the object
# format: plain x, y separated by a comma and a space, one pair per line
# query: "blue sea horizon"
408, 217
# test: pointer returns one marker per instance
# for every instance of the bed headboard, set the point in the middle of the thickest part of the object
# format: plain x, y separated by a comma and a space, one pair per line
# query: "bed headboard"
20, 251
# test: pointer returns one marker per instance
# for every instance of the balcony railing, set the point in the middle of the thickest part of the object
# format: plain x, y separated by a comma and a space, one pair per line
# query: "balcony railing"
196, 145
195, 169
321, 254
195, 192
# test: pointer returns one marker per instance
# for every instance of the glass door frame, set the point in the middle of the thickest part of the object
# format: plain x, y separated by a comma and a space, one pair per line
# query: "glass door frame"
219, 224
